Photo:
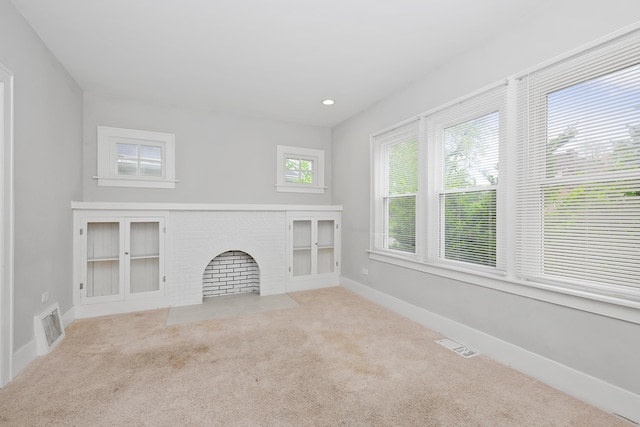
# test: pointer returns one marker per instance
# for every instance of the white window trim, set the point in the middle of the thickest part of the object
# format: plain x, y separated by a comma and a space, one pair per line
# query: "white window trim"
107, 172
317, 156
378, 190
435, 125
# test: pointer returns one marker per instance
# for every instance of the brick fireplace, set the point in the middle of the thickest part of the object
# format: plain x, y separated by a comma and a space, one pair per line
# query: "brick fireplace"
198, 237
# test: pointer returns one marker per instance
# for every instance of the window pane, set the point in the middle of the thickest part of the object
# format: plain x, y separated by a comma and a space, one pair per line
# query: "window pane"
402, 163
127, 150
127, 167
293, 164
148, 152
150, 169
471, 153
592, 231
470, 227
594, 126
299, 171
306, 177
401, 223
292, 176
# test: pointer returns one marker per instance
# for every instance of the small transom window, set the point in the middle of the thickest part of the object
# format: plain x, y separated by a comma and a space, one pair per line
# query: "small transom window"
133, 158
300, 170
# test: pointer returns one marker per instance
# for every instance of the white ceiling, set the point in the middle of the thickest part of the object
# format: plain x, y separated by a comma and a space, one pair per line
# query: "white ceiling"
274, 59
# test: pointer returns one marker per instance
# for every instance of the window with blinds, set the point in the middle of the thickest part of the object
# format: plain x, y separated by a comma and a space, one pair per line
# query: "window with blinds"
399, 163
468, 138
578, 205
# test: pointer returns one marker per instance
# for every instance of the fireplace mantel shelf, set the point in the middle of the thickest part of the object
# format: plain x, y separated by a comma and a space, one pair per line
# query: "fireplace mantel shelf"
199, 207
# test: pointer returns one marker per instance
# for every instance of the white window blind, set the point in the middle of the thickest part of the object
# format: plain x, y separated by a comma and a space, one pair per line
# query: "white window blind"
578, 207
399, 163
468, 138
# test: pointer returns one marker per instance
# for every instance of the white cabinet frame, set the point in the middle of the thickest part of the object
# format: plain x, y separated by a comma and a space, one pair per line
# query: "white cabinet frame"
125, 298
316, 274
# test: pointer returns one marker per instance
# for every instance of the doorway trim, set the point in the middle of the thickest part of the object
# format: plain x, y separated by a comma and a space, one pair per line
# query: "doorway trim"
7, 227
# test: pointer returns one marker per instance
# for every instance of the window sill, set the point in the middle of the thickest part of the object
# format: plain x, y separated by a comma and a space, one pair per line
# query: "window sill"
605, 305
299, 189
134, 183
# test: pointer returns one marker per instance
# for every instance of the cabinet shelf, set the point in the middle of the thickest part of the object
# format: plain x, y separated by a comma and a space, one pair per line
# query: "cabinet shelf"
326, 247
305, 248
151, 256
100, 259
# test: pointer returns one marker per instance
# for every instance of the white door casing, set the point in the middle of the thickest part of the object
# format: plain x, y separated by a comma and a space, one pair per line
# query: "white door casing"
6, 230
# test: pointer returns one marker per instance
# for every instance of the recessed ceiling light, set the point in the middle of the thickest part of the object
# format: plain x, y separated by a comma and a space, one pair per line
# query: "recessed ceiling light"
328, 102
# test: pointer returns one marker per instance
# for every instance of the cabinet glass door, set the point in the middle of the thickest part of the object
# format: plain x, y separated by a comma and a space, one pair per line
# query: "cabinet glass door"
301, 232
144, 256
103, 259
326, 246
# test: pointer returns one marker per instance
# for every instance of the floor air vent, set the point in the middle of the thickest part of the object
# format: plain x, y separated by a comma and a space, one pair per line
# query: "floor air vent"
458, 348
49, 329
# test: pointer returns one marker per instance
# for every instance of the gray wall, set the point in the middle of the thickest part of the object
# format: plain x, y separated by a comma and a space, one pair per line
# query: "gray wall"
599, 346
47, 170
219, 158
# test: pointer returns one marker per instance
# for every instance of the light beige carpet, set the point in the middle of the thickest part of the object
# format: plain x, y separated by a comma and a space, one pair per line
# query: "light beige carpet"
334, 360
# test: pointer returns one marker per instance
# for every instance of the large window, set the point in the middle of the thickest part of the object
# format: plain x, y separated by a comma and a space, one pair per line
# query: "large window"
467, 137
556, 206
397, 161
442, 207
579, 162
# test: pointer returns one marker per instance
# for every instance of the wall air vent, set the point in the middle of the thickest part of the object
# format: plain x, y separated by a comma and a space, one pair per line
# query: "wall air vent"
49, 330
458, 348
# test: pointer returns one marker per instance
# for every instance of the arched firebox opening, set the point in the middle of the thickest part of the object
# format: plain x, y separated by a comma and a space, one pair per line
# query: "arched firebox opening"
231, 272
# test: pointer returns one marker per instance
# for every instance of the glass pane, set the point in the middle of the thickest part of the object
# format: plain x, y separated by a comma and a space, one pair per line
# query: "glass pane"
127, 150
306, 177
150, 169
401, 223
103, 252
144, 237
306, 165
293, 164
292, 176
148, 152
588, 222
470, 227
103, 278
103, 240
402, 162
144, 275
471, 153
325, 233
325, 260
301, 262
301, 236
127, 167
594, 126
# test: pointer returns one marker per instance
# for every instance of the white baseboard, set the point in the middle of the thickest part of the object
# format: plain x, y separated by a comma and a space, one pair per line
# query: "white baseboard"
29, 352
23, 357
68, 317
596, 392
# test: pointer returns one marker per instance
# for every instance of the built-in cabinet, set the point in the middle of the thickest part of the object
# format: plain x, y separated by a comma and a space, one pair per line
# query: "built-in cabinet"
313, 250
121, 250
120, 263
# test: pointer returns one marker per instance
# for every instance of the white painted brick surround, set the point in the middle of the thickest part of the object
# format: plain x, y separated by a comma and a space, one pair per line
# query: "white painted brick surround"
233, 272
197, 237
